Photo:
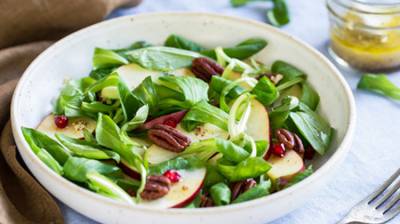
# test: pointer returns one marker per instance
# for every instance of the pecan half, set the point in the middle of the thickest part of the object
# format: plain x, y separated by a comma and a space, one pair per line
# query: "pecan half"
298, 146
168, 138
240, 187
286, 137
290, 140
156, 187
205, 201
169, 119
205, 68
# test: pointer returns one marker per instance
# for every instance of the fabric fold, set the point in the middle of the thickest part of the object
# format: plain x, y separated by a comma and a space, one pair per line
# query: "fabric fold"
28, 28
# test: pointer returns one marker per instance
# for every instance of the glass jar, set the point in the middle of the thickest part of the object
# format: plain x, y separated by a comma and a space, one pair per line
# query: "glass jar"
365, 34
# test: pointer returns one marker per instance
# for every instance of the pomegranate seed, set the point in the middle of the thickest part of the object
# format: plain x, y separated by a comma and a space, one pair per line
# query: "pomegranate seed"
278, 149
171, 122
172, 175
61, 121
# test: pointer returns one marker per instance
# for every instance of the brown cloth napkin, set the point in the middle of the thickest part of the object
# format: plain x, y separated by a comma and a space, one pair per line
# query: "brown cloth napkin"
27, 27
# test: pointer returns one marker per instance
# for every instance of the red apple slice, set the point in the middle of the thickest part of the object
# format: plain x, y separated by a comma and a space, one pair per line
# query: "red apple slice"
283, 169
258, 123
74, 129
183, 192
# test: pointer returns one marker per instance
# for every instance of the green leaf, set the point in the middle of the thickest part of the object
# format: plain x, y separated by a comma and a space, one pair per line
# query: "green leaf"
241, 51
220, 194
249, 168
262, 147
238, 3
109, 135
49, 160
300, 176
313, 128
230, 151
101, 72
279, 15
309, 96
111, 80
139, 119
146, 92
76, 169
104, 186
162, 58
192, 89
104, 58
379, 84
98, 107
180, 42
82, 148
37, 139
218, 84
129, 102
134, 46
69, 100
204, 112
280, 113
288, 71
258, 191
212, 176
265, 91
178, 163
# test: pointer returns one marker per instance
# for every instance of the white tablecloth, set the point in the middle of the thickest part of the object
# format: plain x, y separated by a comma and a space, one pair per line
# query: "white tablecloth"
375, 154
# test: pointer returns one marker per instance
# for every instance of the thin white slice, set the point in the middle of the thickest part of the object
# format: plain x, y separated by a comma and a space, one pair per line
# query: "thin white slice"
74, 129
183, 192
285, 167
258, 123
157, 154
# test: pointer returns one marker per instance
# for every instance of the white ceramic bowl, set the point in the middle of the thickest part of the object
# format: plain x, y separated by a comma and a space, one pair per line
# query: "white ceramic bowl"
71, 58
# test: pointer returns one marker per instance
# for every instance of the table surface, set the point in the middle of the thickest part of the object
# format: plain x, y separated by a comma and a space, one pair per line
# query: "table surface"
375, 153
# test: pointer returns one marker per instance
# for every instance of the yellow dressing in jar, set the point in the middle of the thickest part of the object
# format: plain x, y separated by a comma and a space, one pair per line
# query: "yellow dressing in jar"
366, 40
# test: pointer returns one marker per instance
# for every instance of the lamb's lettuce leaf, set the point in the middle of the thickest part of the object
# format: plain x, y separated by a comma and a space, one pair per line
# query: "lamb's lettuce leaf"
228, 149
76, 168
265, 91
85, 149
162, 58
204, 112
379, 84
180, 42
104, 58
258, 191
39, 140
313, 128
220, 194
248, 168
243, 50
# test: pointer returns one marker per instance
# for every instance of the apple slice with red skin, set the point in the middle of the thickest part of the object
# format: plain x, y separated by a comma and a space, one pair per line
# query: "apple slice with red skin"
285, 168
74, 129
258, 123
182, 192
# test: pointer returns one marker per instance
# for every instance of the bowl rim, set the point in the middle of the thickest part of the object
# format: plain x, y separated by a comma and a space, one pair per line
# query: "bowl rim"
336, 157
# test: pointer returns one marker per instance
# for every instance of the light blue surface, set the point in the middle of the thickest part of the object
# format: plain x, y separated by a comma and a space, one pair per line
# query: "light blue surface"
375, 154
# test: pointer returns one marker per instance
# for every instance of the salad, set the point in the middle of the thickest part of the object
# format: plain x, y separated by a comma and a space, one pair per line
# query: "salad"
181, 125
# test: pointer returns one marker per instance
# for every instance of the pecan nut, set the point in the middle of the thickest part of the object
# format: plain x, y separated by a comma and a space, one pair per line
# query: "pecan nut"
205, 68
168, 138
205, 201
286, 137
156, 187
290, 140
240, 187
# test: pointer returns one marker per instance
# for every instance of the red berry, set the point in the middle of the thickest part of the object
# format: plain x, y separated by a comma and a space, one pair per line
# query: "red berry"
61, 121
171, 122
278, 149
172, 175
